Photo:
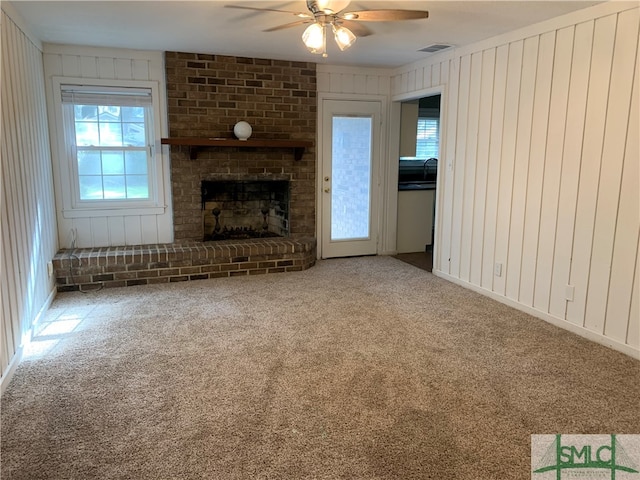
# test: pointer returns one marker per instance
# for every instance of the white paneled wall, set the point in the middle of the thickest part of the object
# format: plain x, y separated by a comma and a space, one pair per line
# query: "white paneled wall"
540, 171
108, 64
28, 216
334, 79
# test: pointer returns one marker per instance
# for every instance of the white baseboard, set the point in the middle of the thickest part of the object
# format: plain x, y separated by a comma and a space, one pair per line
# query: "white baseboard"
17, 357
558, 322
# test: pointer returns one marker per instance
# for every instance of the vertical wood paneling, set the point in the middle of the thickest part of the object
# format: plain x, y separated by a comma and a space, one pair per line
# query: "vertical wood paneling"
132, 229
435, 74
459, 159
493, 173
446, 169
116, 231
106, 67
550, 176
633, 329
536, 167
597, 98
99, 231
140, 69
84, 235
149, 229
27, 217
553, 167
420, 77
613, 153
627, 230
123, 69
347, 83
505, 192
482, 165
521, 168
70, 66
88, 66
471, 146
359, 84
571, 161
411, 81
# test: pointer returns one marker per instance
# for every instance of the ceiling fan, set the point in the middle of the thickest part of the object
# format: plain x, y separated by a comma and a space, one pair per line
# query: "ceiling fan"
324, 14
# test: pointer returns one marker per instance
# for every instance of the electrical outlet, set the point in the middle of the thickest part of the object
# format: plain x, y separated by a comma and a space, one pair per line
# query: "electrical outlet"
497, 269
50, 269
570, 292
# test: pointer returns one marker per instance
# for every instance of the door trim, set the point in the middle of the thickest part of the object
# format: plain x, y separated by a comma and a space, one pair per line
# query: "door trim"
384, 160
445, 166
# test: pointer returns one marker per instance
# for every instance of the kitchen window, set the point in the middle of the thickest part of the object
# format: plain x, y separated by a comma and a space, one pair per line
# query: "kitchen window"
427, 137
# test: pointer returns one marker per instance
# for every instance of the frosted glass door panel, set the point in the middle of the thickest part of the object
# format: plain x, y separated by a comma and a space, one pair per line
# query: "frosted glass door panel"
351, 174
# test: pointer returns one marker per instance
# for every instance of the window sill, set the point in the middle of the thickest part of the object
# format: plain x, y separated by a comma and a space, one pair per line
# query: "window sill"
112, 212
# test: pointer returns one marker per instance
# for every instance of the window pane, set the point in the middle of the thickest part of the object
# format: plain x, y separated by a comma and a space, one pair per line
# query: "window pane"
89, 162
113, 162
109, 113
136, 162
87, 134
85, 112
90, 187
351, 177
137, 186
114, 187
134, 134
132, 114
111, 134
427, 137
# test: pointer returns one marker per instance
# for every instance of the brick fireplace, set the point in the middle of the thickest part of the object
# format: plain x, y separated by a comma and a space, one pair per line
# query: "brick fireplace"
206, 96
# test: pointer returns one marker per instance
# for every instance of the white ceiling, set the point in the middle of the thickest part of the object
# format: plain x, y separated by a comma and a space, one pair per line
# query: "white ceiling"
209, 27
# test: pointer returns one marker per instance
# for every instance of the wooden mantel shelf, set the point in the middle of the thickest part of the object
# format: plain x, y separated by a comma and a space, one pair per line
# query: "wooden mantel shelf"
196, 143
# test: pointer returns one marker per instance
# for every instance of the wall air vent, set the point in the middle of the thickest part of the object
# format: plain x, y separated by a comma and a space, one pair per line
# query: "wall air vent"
436, 47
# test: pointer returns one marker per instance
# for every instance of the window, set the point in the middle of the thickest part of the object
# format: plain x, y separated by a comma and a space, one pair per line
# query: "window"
109, 158
111, 132
428, 136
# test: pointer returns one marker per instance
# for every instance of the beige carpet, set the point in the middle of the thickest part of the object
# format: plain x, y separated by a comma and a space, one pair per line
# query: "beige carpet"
360, 368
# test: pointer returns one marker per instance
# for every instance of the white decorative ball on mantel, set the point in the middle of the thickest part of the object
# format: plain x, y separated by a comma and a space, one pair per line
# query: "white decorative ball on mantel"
242, 130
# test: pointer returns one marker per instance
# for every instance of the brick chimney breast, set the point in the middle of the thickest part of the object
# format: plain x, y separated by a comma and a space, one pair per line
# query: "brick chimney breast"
206, 96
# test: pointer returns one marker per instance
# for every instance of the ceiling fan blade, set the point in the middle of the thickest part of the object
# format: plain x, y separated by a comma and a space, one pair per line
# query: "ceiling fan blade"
287, 25
358, 29
297, 14
384, 15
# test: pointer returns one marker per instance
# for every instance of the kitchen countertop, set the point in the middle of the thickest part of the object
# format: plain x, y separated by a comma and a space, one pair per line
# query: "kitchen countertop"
417, 185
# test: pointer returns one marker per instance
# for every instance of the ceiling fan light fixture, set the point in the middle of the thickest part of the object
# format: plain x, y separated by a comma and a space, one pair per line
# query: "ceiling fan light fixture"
343, 36
314, 38
330, 7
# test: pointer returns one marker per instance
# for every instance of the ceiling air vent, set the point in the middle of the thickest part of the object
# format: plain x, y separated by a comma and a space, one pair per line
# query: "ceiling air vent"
436, 47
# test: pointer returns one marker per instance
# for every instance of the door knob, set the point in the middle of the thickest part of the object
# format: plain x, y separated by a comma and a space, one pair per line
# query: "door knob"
326, 190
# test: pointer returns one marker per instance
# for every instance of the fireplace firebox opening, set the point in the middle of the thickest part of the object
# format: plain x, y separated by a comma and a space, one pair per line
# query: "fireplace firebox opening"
242, 209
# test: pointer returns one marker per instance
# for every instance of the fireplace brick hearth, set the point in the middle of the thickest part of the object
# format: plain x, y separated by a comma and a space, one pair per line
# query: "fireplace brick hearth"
95, 268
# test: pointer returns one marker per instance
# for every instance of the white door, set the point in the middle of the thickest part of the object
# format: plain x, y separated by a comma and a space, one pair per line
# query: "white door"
350, 164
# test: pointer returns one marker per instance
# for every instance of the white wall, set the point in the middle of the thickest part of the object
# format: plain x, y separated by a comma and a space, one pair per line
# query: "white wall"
28, 216
540, 170
108, 64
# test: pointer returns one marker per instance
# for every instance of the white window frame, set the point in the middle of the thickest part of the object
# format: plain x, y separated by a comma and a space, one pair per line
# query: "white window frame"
73, 207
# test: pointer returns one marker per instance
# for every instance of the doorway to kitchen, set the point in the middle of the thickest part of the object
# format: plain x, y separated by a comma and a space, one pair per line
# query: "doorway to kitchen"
417, 180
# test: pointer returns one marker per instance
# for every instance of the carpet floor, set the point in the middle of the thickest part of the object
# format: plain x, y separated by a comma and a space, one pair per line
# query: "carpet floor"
358, 368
